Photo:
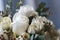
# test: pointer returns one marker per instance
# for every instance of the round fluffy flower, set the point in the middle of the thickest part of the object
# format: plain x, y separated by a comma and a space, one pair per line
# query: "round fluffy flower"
20, 24
6, 22
20, 19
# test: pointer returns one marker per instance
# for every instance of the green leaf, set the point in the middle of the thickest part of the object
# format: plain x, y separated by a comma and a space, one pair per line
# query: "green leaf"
17, 5
39, 37
10, 1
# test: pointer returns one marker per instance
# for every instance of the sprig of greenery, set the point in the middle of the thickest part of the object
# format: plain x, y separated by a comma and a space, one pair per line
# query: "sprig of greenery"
42, 10
8, 9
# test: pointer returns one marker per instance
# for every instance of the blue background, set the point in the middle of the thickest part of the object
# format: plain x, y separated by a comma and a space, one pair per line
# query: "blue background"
54, 10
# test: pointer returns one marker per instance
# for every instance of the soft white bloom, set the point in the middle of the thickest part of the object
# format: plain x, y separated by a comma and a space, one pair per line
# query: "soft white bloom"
20, 19
6, 22
20, 24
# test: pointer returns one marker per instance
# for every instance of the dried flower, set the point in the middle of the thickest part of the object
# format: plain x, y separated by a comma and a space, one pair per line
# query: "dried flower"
38, 24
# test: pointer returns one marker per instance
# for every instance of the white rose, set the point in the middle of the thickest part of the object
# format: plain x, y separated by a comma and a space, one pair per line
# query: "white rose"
20, 24
20, 20
25, 10
6, 22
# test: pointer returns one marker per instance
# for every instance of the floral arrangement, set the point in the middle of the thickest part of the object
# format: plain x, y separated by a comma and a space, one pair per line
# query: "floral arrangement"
27, 23
40, 28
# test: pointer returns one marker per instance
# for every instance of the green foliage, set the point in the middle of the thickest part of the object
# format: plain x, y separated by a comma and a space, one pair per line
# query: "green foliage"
8, 8
18, 4
10, 1
36, 37
42, 9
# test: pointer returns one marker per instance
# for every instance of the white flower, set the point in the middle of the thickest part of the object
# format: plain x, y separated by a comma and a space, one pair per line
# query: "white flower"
26, 10
38, 24
20, 24
6, 22
20, 19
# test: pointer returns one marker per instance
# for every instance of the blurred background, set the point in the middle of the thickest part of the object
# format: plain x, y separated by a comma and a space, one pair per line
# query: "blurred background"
54, 6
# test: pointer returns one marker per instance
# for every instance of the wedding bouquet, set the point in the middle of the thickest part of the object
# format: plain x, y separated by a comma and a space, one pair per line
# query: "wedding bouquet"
40, 27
